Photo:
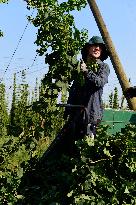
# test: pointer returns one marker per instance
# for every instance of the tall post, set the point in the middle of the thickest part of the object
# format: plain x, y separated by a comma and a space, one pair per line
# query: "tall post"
124, 82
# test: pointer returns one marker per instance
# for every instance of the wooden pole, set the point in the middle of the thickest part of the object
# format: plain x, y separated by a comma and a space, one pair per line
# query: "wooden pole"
124, 82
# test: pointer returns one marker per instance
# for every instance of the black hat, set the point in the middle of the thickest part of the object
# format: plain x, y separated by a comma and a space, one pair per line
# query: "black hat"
92, 41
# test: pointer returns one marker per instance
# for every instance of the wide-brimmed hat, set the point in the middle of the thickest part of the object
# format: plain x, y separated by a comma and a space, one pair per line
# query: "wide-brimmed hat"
92, 41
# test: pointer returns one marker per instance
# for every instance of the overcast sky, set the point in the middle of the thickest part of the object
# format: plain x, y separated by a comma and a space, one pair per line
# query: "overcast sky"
120, 19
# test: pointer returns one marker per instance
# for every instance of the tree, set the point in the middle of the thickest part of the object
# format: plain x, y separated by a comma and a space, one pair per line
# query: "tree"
18, 114
111, 100
3, 111
23, 101
12, 121
115, 99
36, 89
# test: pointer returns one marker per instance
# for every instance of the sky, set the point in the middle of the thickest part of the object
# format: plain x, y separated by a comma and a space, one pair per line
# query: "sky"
18, 51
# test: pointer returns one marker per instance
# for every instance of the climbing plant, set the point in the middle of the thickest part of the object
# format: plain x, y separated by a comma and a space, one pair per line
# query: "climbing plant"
57, 37
60, 41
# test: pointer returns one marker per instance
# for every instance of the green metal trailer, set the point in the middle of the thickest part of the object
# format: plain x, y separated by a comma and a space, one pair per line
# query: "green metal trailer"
117, 119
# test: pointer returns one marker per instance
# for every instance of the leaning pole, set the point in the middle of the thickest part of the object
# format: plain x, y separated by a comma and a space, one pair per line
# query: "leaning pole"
124, 82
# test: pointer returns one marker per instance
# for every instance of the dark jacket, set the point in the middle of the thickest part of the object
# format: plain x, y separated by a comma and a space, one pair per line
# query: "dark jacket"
90, 93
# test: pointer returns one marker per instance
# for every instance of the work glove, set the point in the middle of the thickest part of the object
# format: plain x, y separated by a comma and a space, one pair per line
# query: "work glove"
83, 66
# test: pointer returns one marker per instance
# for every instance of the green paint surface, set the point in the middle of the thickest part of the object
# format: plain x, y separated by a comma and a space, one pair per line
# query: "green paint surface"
117, 119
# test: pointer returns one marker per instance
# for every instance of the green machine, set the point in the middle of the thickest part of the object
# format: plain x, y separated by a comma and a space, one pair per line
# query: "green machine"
117, 119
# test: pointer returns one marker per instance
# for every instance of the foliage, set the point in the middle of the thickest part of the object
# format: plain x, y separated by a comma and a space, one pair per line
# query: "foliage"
111, 100
18, 114
60, 41
102, 172
3, 111
115, 99
107, 169
3, 1
1, 33
15, 156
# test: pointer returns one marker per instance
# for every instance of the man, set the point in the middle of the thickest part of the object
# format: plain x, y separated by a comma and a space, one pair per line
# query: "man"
87, 89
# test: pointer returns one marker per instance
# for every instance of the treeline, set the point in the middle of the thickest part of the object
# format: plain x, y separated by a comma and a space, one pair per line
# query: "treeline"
16, 119
115, 101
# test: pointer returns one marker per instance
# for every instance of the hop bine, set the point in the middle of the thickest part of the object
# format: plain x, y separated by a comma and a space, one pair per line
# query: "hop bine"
91, 65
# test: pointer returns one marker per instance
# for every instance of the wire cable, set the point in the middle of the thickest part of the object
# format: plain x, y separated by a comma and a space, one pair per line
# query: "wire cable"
29, 66
17, 46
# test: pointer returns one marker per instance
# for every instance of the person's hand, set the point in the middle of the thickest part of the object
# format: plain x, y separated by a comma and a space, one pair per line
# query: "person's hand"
83, 66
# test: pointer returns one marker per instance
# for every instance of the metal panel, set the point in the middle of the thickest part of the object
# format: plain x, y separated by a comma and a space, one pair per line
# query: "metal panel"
117, 119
